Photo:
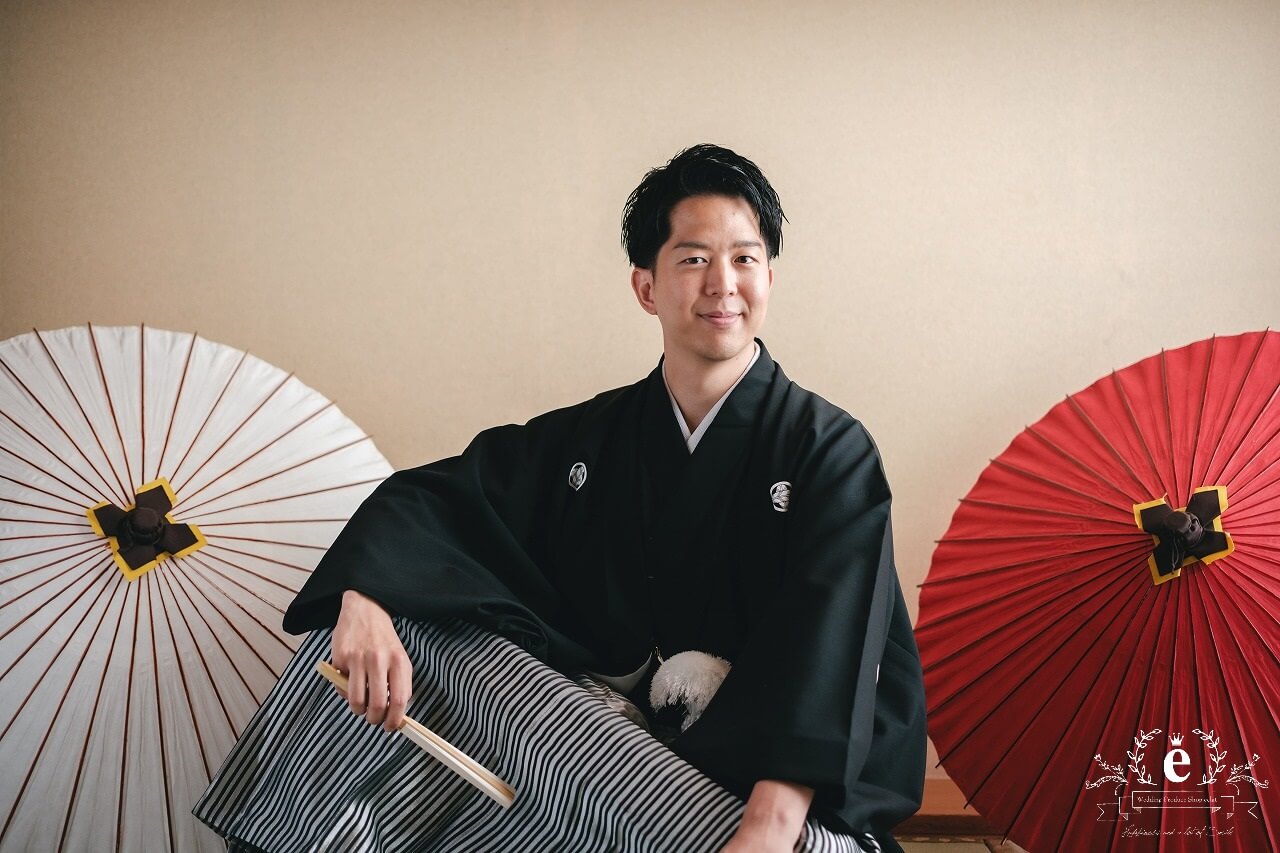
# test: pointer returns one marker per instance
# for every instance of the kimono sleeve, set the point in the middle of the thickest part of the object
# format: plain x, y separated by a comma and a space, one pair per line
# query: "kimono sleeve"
462, 537
827, 690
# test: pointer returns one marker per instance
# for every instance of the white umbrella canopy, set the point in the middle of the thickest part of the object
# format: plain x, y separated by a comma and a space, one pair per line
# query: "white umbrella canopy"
125, 679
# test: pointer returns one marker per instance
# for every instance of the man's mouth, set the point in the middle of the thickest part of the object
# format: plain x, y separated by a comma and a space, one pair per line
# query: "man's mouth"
720, 318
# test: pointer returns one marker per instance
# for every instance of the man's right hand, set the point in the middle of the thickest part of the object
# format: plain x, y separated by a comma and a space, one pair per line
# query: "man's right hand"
367, 649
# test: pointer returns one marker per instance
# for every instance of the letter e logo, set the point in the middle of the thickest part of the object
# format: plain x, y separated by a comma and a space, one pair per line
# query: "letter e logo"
1174, 759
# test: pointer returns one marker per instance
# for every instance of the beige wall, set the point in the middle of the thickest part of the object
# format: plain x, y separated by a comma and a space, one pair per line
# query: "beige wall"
415, 205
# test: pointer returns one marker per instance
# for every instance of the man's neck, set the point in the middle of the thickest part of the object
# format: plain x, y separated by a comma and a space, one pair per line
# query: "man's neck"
698, 383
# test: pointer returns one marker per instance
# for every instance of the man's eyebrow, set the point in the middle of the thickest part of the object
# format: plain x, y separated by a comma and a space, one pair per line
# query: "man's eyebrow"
740, 244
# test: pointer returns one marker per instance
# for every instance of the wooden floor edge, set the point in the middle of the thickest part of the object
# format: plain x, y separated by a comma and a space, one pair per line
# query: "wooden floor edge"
943, 812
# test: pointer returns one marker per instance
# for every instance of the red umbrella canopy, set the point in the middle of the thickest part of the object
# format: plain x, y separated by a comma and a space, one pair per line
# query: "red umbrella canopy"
1099, 627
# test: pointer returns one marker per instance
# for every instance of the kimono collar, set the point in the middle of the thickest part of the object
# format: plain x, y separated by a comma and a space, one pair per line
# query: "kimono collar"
740, 408
692, 438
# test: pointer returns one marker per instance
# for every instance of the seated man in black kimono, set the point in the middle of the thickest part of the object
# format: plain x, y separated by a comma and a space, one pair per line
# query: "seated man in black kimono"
715, 506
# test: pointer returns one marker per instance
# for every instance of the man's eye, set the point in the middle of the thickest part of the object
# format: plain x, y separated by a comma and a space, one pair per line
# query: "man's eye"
694, 260
746, 259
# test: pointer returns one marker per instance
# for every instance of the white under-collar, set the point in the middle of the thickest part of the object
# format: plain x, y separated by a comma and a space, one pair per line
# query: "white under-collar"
691, 439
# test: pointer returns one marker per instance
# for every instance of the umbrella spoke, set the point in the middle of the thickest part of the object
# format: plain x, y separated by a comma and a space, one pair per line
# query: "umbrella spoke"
106, 488
207, 525
275, 542
1052, 483
93, 714
155, 673
1106, 443
128, 705
1168, 421
115, 420
92, 546
294, 496
1136, 593
232, 580
78, 511
1245, 376
1139, 432
267, 446
173, 478
40, 636
182, 575
1097, 475
57, 423
169, 584
53, 717
265, 628
1039, 510
293, 467
87, 560
177, 398
292, 590
1119, 583
234, 432
215, 546
231, 624
1121, 551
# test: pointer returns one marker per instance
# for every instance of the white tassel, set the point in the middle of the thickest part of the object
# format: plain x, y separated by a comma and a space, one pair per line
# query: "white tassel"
689, 679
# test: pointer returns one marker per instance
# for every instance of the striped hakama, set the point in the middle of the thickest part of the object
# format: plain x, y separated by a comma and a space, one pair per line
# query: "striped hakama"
307, 774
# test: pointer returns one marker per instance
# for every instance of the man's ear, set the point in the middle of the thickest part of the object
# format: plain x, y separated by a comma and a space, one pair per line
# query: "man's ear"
642, 285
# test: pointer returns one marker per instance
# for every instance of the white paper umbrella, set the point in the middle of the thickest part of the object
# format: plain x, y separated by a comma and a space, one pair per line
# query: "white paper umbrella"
162, 498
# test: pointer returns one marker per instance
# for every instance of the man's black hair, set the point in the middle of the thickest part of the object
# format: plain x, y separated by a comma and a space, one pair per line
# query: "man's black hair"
700, 170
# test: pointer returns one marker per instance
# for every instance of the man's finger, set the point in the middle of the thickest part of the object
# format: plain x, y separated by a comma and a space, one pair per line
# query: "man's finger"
356, 690
376, 709
400, 685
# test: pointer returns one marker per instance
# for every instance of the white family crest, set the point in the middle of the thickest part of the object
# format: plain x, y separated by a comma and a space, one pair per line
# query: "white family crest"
577, 476
780, 494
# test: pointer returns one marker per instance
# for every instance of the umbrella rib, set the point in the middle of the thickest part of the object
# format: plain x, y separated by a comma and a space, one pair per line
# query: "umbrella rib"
1243, 491
87, 560
263, 448
44, 552
89, 533
1244, 380
142, 398
1197, 581
173, 415
1038, 510
1009, 593
216, 545
295, 466
169, 584
155, 673
1137, 429
1021, 564
289, 589
283, 498
93, 715
182, 573
111, 406
274, 542
228, 578
48, 627
91, 546
128, 705
61, 523
26, 485
1106, 442
1088, 469
1096, 638
235, 432
1168, 421
1235, 455
1200, 399
1118, 582
287, 497
75, 444
53, 720
1023, 537
21, 705
1121, 637
208, 416
30, 505
108, 489
1039, 478
234, 601
233, 627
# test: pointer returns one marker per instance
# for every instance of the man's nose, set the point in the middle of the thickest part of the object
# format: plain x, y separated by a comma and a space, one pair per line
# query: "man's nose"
722, 279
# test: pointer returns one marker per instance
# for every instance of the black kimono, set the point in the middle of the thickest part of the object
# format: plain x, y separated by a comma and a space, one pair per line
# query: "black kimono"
591, 537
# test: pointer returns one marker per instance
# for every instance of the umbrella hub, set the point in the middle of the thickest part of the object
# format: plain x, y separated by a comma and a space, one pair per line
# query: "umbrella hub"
1180, 537
143, 526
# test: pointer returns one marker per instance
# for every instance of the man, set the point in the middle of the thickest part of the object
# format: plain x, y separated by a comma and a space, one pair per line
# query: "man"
713, 507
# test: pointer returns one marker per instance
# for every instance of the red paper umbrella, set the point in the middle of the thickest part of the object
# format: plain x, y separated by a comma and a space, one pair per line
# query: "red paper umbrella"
1099, 627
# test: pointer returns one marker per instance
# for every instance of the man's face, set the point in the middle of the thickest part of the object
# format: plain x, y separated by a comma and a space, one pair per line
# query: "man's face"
709, 286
